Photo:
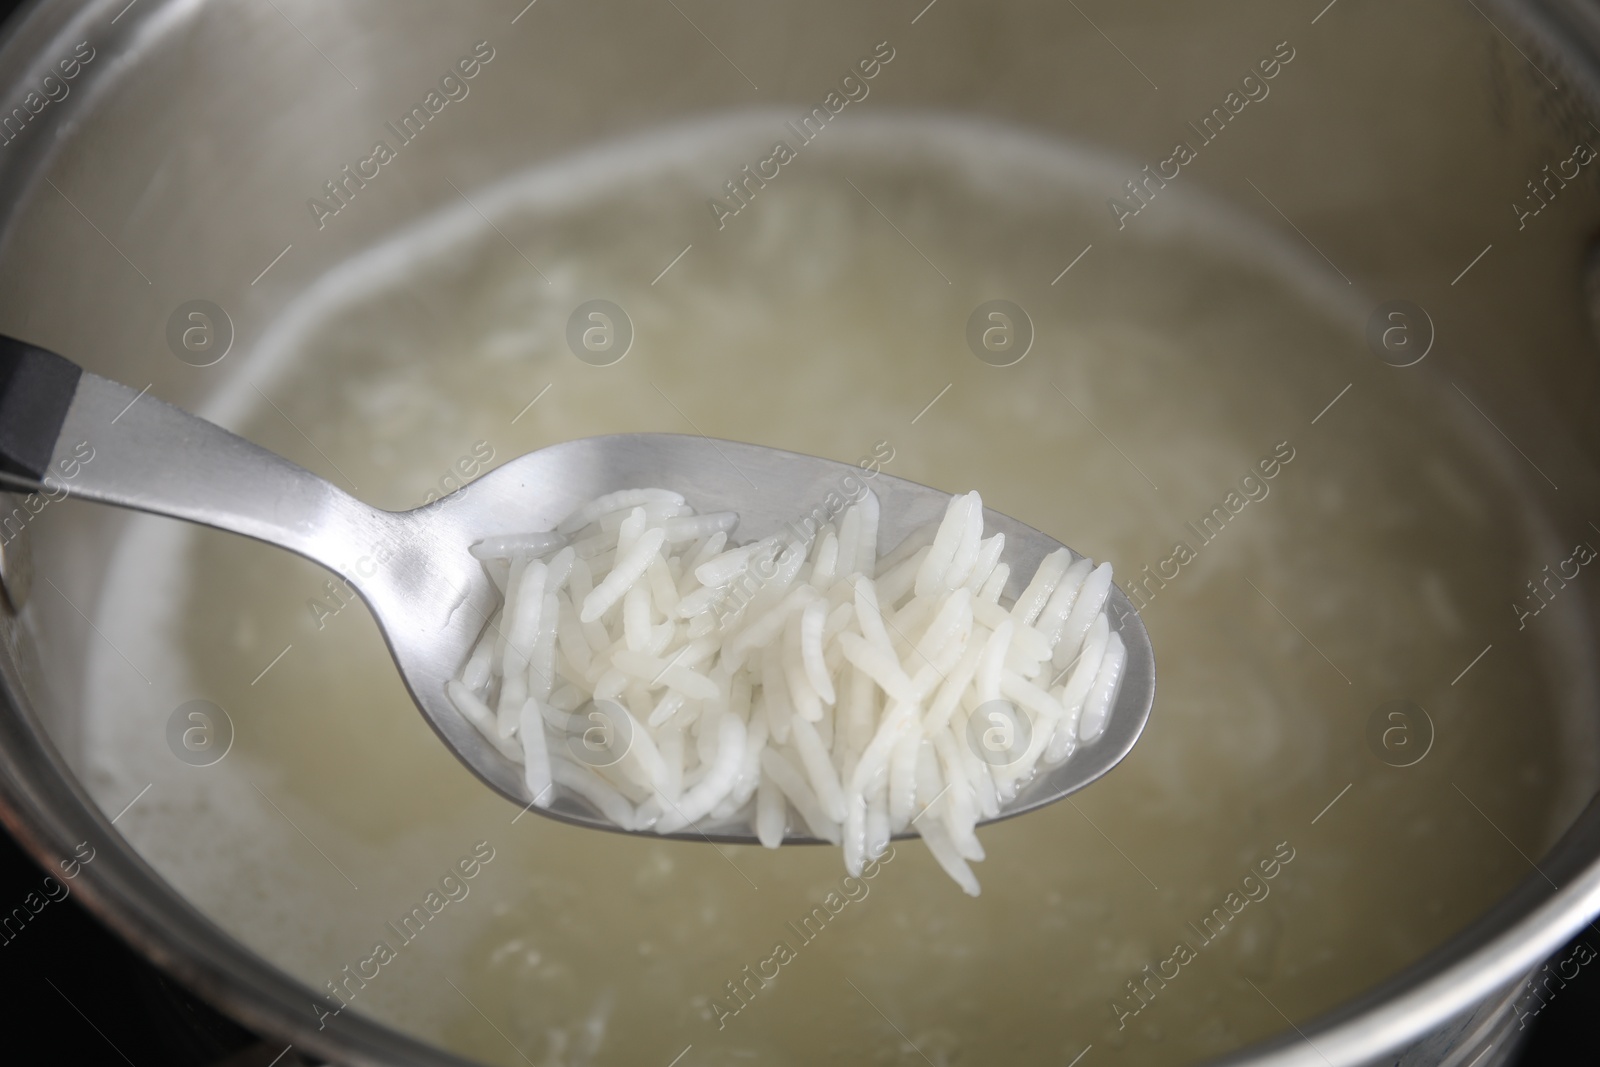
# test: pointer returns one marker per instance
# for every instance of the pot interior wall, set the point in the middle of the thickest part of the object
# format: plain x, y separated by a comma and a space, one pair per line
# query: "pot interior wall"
192, 158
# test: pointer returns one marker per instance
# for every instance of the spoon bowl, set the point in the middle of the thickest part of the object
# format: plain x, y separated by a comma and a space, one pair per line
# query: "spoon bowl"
430, 597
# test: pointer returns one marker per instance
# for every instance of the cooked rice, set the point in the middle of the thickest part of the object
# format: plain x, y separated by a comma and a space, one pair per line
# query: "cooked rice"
814, 686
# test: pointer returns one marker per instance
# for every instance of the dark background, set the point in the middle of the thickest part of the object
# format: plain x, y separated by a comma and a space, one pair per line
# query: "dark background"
67, 980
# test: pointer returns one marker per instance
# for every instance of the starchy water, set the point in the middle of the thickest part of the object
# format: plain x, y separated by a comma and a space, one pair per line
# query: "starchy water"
1169, 370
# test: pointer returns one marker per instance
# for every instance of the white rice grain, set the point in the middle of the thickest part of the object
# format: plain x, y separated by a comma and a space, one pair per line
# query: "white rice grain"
535, 754
812, 619
1089, 605
794, 673
618, 501
511, 546
1097, 705
628, 570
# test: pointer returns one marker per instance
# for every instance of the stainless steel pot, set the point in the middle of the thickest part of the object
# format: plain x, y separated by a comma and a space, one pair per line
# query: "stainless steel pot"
168, 150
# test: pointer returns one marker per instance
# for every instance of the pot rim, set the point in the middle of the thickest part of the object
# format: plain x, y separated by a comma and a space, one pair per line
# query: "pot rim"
48, 811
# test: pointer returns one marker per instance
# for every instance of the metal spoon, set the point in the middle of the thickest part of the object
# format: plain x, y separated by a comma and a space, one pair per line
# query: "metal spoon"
430, 597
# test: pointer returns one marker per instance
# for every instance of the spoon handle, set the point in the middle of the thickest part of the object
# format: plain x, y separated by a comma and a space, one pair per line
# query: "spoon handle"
64, 430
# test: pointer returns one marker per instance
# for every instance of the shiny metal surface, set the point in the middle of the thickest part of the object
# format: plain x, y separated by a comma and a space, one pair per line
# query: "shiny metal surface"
180, 165
432, 599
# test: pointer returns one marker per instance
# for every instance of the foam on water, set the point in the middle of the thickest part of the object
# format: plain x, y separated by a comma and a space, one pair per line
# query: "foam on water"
675, 922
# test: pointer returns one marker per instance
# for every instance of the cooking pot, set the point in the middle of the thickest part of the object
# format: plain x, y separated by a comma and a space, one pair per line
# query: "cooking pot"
175, 172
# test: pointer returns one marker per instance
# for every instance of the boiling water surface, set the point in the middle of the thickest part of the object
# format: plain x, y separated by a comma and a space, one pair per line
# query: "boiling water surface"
830, 316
